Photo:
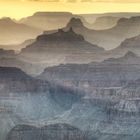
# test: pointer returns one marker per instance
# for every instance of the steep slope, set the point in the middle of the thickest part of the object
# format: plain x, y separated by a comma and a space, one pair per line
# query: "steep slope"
111, 107
110, 38
61, 47
15, 33
110, 75
28, 100
95, 116
50, 20
130, 44
16, 81
107, 117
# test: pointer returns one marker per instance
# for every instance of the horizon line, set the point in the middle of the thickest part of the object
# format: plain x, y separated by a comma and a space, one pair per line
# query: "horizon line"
90, 13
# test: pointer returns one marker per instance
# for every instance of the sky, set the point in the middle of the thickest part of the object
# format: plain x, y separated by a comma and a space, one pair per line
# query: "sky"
22, 8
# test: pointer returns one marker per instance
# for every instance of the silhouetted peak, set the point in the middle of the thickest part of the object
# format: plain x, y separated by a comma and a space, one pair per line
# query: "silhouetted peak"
75, 22
61, 35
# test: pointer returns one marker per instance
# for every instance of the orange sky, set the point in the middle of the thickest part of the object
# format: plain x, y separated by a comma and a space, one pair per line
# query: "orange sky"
22, 8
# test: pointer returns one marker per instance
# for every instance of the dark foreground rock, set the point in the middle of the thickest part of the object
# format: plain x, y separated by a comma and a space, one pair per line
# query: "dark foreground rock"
50, 132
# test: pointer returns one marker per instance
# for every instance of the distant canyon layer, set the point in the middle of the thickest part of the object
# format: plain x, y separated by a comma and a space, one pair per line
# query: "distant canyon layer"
17, 32
70, 77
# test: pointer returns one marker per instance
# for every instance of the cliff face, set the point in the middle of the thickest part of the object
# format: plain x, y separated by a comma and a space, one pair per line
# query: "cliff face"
111, 96
27, 100
109, 38
60, 47
111, 103
64, 39
130, 44
16, 81
74, 96
113, 72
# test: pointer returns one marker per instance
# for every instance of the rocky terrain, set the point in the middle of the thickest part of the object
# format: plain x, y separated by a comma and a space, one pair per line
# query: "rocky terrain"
26, 99
50, 132
110, 72
61, 47
64, 85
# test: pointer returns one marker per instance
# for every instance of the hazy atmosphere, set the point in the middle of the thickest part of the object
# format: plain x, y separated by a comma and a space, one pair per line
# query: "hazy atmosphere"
28, 7
69, 69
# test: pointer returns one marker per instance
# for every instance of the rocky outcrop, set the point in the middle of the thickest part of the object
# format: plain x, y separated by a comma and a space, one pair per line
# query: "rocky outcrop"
110, 38
60, 47
111, 72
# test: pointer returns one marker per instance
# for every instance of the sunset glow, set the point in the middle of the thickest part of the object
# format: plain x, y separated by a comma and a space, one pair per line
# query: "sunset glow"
22, 8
